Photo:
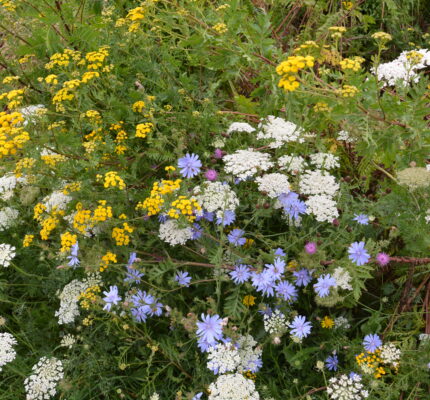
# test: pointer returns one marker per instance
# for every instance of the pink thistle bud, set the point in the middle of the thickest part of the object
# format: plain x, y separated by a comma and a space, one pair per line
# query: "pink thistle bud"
218, 153
211, 175
311, 247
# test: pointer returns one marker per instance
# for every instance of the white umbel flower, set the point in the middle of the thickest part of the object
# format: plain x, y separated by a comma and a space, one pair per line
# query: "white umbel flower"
344, 136
273, 184
223, 358
240, 127
68, 341
318, 182
275, 323
233, 387
390, 354
7, 253
292, 164
216, 196
246, 163
8, 218
7, 352
341, 323
171, 233
343, 278
325, 161
322, 207
155, 396
249, 353
280, 131
346, 388
42, 383
56, 201
30, 113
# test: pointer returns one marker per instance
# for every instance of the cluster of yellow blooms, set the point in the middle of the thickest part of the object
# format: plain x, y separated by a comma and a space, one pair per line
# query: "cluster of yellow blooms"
370, 363
138, 106
414, 57
133, 19
8, 5
72, 187
289, 68
382, 36
83, 220
23, 163
28, 239
63, 59
12, 135
14, 98
338, 31
53, 159
50, 223
188, 207
249, 300
155, 201
327, 322
96, 59
220, 28
143, 129
107, 259
120, 234
347, 91
351, 63
89, 297
309, 44
67, 241
321, 107
112, 179
93, 116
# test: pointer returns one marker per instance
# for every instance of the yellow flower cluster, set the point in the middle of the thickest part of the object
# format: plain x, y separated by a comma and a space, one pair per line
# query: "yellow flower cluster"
370, 363
220, 28
321, 107
112, 179
188, 207
51, 79
82, 219
89, 75
120, 234
9, 79
23, 163
134, 18
62, 95
93, 116
138, 106
347, 91
72, 187
63, 59
143, 129
121, 134
292, 265
53, 159
155, 201
249, 300
26, 58
414, 57
49, 224
347, 4
338, 31
12, 135
107, 259
96, 59
309, 44
289, 68
8, 5
14, 98
28, 239
67, 241
102, 212
327, 322
382, 36
351, 63
89, 297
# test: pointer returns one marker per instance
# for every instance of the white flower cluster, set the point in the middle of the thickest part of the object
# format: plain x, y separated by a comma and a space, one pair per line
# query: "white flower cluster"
68, 341
246, 163
7, 352
273, 184
249, 353
155, 396
8, 217
427, 217
346, 388
292, 164
233, 387
223, 358
341, 323
171, 233
344, 136
216, 196
322, 187
32, 111
8, 183
240, 127
276, 323
390, 354
402, 70
280, 131
42, 383
325, 161
7, 253
323, 207
343, 278
69, 297
56, 201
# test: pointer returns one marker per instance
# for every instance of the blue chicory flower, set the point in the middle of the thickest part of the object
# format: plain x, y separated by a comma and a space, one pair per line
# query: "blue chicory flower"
190, 165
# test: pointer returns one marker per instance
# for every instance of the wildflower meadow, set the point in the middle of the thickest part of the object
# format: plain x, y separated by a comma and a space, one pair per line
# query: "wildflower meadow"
215, 200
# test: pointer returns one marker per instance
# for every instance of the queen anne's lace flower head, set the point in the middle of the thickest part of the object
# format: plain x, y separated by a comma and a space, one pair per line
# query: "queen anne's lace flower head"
279, 131
292, 164
42, 383
8, 217
216, 196
233, 387
318, 182
7, 253
322, 207
390, 354
223, 358
273, 184
7, 352
56, 201
240, 127
346, 388
325, 161
275, 323
172, 233
343, 278
246, 163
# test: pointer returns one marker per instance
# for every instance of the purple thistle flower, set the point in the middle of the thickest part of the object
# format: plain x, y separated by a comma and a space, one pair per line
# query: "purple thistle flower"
362, 219
300, 327
280, 252
111, 298
227, 218
240, 274
372, 342
218, 153
190, 165
382, 259
211, 175
73, 258
331, 362
286, 290
303, 277
311, 247
276, 269
358, 254
235, 237
183, 278
323, 285
210, 328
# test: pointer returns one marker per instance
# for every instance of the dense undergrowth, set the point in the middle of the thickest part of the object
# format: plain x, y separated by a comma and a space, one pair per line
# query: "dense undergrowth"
207, 200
